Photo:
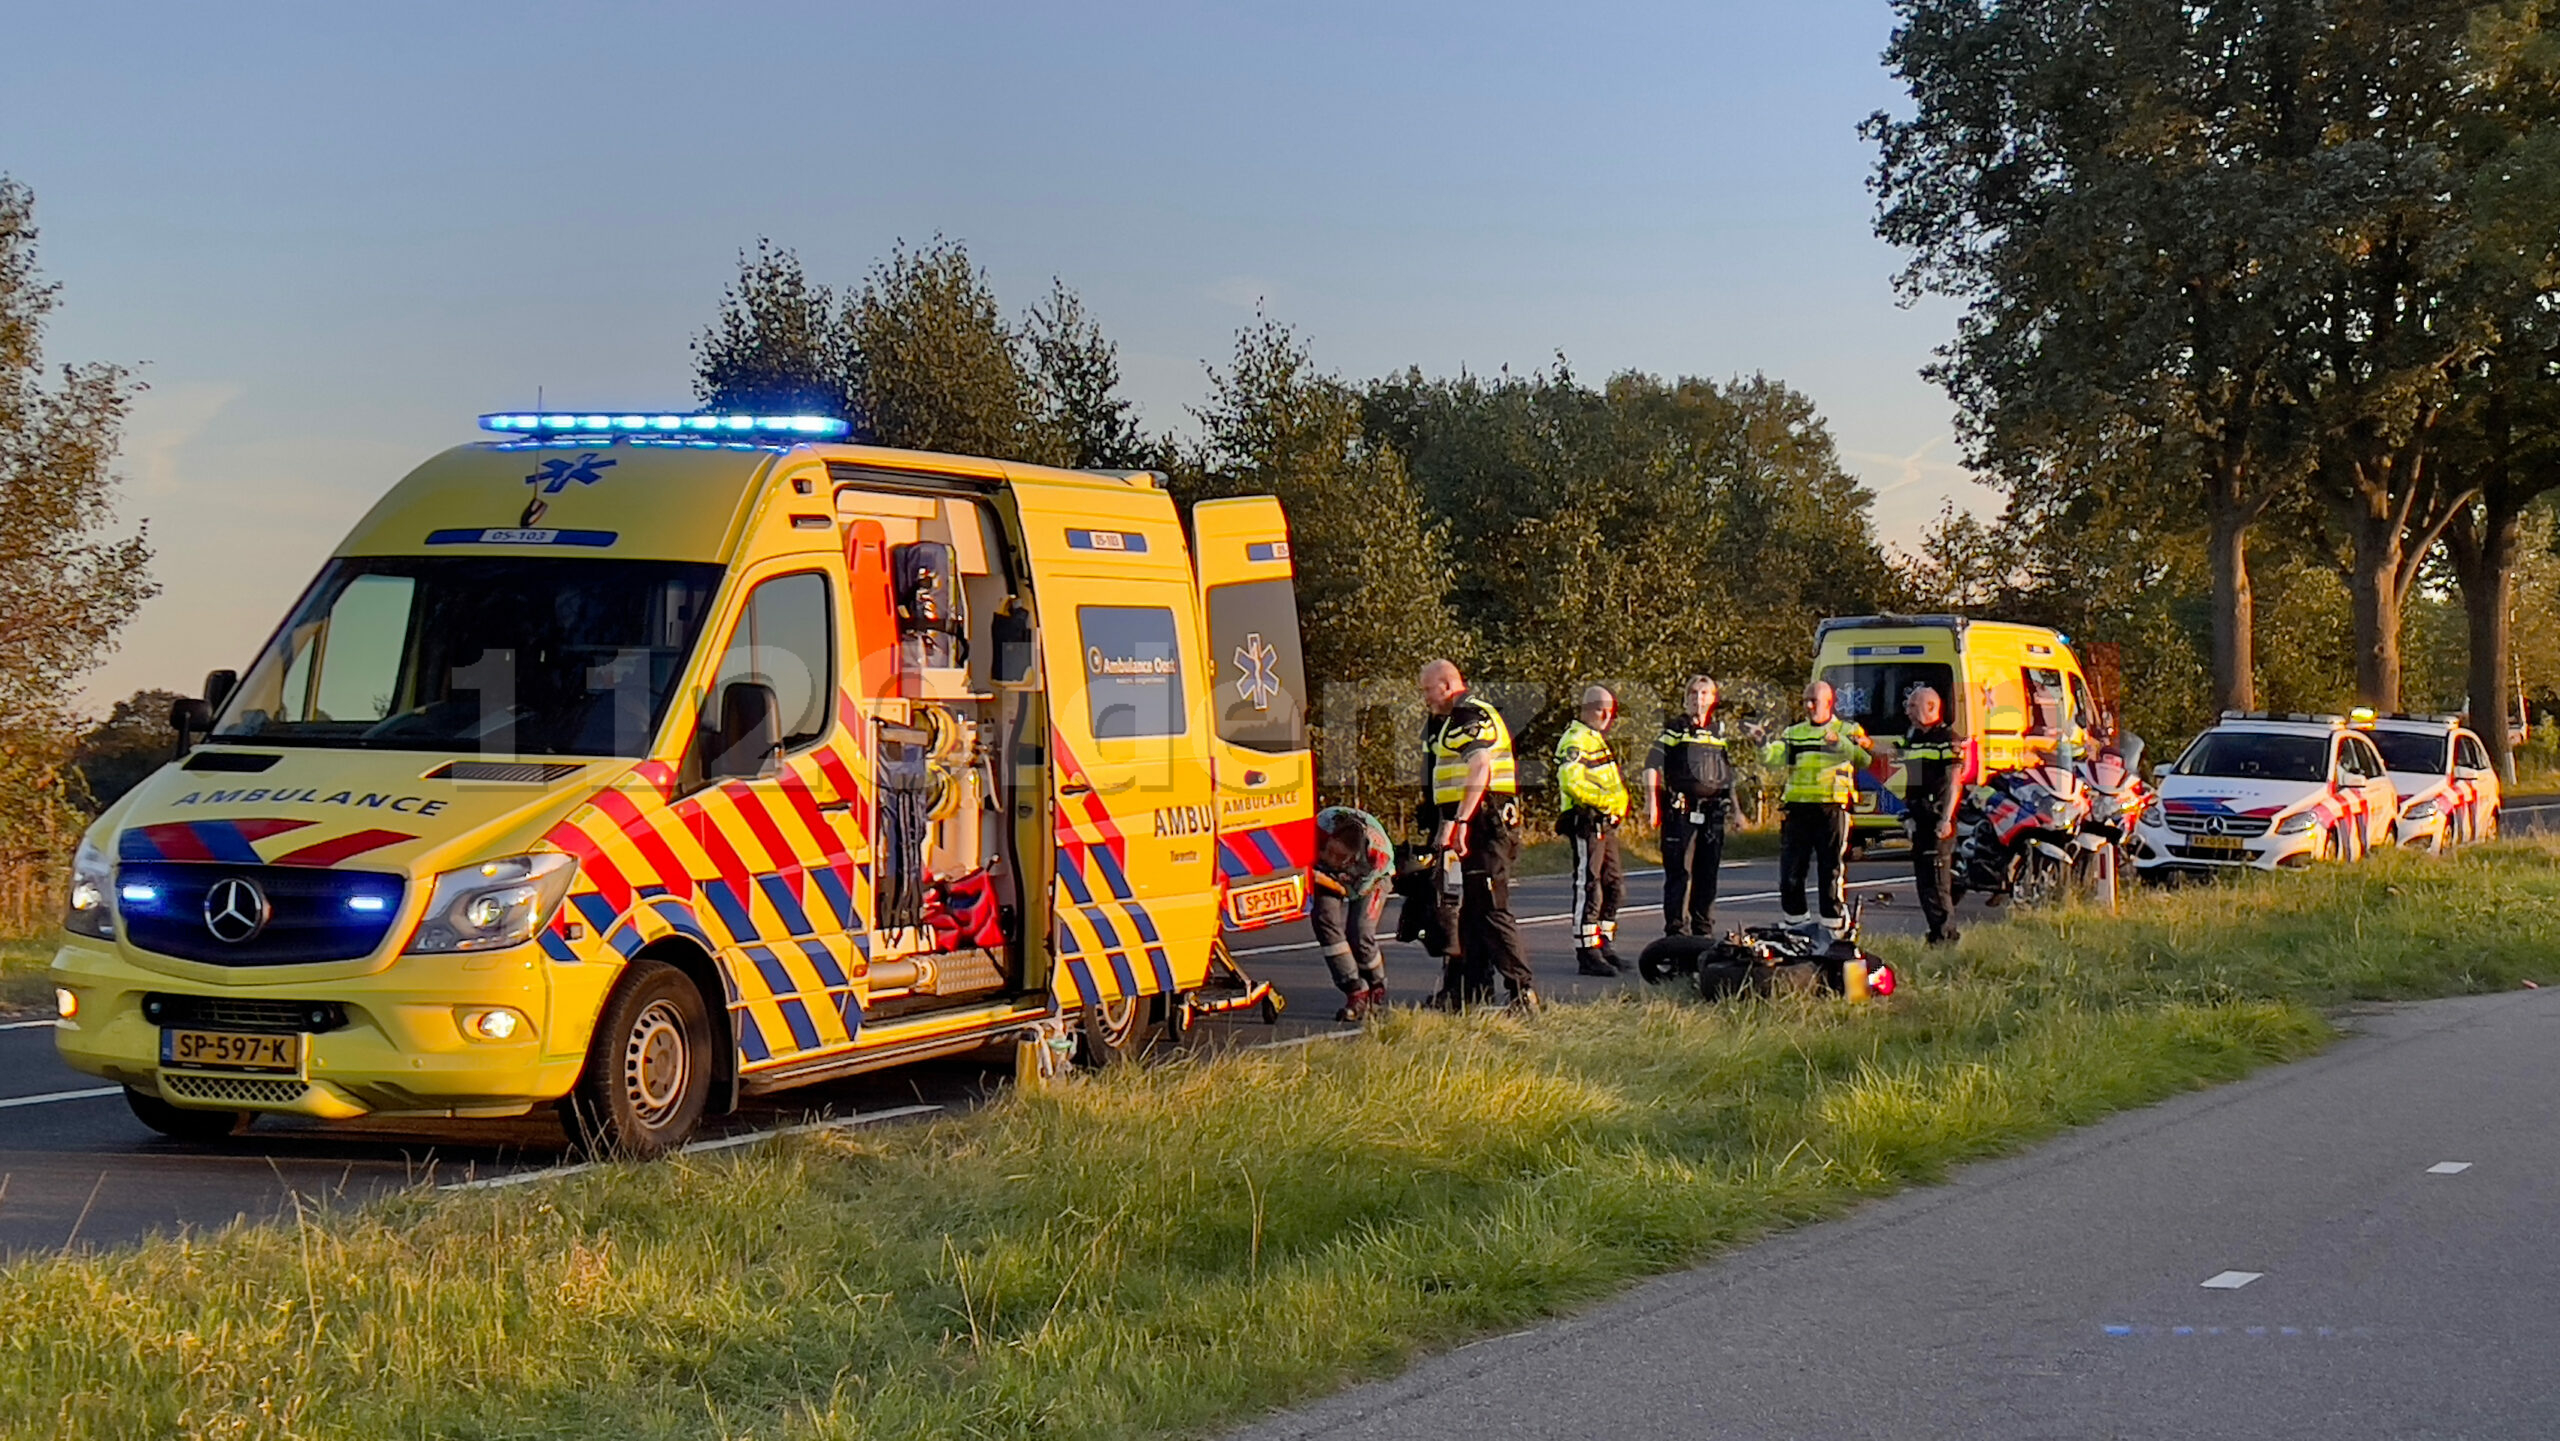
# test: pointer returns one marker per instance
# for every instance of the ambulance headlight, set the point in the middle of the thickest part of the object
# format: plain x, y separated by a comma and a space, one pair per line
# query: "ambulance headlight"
495, 903
2297, 824
93, 907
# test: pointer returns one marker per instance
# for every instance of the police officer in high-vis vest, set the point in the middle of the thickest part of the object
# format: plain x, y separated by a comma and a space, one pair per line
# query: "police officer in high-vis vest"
1473, 816
1591, 802
1932, 756
1821, 754
1688, 784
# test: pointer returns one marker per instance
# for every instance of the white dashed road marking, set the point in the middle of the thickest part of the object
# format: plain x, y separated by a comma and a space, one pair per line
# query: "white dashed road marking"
2231, 1280
2448, 1168
50, 1098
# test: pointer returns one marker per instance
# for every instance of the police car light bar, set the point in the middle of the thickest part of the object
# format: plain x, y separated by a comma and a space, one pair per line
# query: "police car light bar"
815, 427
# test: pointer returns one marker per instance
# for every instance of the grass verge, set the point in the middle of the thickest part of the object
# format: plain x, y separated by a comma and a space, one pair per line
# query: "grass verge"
1157, 1251
23, 963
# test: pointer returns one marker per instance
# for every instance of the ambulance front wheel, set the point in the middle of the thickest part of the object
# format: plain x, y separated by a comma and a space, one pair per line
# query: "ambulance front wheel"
1115, 1031
648, 1075
183, 1123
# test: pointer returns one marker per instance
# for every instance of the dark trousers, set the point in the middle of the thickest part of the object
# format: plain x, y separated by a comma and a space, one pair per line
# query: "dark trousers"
1813, 836
1933, 867
1599, 883
1488, 938
1347, 929
1692, 858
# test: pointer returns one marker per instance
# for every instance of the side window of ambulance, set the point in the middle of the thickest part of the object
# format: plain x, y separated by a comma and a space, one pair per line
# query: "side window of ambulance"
2044, 701
786, 639
1133, 671
1259, 685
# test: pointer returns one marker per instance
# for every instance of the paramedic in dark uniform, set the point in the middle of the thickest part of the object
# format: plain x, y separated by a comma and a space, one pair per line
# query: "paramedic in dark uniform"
1472, 810
1688, 783
1355, 861
1932, 758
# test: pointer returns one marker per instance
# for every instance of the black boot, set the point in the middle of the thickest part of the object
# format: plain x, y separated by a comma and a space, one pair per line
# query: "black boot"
1589, 962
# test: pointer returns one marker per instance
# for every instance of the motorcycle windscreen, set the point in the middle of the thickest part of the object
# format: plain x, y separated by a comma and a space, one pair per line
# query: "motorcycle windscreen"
1261, 763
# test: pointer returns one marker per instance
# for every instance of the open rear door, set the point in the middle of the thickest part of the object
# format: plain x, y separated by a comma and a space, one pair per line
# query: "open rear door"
1260, 762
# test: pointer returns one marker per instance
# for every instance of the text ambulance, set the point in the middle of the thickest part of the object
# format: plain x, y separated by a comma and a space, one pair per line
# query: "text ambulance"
639, 763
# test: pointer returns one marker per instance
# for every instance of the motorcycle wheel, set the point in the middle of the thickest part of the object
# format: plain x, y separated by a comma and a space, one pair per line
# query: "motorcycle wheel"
2038, 881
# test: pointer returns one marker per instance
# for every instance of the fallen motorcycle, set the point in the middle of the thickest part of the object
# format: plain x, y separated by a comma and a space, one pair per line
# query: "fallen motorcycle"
1767, 960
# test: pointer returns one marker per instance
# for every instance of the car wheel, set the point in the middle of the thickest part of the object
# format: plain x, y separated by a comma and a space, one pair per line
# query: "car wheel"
648, 1075
184, 1123
1114, 1031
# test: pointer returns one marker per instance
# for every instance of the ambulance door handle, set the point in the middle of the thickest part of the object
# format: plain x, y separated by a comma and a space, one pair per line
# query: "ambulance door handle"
835, 805
1075, 788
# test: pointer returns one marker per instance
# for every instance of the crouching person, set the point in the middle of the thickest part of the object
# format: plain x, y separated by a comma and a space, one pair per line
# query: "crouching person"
1355, 863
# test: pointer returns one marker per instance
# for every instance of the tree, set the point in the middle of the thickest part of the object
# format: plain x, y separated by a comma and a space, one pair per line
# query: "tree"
1075, 370
68, 583
1372, 566
121, 751
2502, 433
778, 345
2116, 193
936, 366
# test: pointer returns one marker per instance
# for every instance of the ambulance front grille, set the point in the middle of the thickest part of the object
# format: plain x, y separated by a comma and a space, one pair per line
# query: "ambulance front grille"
233, 1090
313, 914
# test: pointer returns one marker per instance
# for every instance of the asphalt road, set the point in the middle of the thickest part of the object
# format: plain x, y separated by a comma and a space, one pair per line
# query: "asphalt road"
2356, 1245
77, 1169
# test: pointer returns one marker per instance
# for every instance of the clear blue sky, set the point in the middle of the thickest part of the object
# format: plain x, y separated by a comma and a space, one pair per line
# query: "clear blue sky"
331, 235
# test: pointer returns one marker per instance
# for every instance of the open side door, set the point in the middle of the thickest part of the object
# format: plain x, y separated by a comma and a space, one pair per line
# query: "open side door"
1260, 760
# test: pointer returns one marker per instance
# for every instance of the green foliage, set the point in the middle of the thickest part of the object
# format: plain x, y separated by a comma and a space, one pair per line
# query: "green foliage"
1163, 1251
1076, 370
936, 365
920, 356
69, 583
121, 751
1372, 565
778, 344
1635, 534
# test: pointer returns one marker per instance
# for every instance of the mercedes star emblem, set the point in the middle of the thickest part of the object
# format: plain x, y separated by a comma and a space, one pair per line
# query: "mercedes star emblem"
235, 910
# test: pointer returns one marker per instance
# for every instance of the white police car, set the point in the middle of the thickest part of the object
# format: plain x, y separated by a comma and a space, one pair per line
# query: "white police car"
2269, 791
2449, 794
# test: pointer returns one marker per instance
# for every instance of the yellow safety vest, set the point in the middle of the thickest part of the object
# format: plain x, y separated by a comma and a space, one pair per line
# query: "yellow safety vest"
1447, 742
1822, 761
1587, 772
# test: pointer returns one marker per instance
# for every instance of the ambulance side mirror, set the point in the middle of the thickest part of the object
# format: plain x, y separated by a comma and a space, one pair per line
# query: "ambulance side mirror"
747, 744
191, 717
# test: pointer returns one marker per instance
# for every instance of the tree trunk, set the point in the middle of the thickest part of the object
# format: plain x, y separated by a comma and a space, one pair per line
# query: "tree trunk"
2484, 564
2375, 584
2235, 612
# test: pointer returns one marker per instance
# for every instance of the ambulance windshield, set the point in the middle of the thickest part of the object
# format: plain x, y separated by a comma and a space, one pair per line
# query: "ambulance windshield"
498, 654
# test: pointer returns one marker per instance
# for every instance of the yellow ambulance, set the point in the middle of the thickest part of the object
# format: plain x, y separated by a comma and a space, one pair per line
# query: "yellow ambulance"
639, 763
2012, 691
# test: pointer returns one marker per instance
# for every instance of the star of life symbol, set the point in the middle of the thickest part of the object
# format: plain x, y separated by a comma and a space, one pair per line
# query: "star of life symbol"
1260, 678
555, 476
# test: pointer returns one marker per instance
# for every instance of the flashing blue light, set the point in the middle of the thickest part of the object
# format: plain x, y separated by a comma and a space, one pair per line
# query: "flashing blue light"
139, 895
814, 427
370, 905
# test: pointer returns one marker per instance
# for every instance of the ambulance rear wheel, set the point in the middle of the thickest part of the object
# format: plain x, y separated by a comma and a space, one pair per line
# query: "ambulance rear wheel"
1115, 1031
648, 1075
183, 1123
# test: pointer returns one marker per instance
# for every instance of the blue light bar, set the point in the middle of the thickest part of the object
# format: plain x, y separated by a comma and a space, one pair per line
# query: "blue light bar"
814, 427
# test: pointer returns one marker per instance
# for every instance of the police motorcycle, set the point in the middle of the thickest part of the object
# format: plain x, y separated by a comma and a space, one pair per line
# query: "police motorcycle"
2021, 835
2117, 799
